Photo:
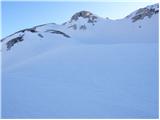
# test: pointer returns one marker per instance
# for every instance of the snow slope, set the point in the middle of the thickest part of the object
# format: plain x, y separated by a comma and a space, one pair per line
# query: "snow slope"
88, 67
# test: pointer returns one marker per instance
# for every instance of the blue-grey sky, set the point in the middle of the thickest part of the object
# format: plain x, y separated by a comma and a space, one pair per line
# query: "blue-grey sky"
20, 15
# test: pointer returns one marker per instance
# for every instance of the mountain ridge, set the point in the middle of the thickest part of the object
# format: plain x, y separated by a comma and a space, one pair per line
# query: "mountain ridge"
79, 21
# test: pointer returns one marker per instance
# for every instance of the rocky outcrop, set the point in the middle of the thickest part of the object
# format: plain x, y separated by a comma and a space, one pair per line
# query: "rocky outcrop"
74, 26
83, 27
40, 35
14, 41
141, 13
32, 30
144, 12
84, 14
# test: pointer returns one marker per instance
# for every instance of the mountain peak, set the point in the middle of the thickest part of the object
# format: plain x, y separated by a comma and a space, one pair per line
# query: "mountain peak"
144, 12
83, 14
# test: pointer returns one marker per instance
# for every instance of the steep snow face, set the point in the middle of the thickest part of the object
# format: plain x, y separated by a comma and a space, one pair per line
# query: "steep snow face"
89, 67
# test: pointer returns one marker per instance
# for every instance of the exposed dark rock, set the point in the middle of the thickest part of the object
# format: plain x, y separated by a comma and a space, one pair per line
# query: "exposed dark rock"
64, 23
58, 32
73, 26
83, 27
143, 12
33, 30
92, 20
139, 26
157, 11
40, 35
14, 41
84, 14
128, 16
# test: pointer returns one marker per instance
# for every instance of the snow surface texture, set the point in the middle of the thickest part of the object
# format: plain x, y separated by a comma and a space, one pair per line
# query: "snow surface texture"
88, 67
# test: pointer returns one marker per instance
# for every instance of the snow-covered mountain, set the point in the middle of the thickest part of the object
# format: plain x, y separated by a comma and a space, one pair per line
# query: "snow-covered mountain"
83, 27
88, 67
88, 22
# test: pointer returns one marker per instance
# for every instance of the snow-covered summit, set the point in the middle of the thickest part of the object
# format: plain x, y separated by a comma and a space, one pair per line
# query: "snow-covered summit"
84, 14
81, 20
141, 13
